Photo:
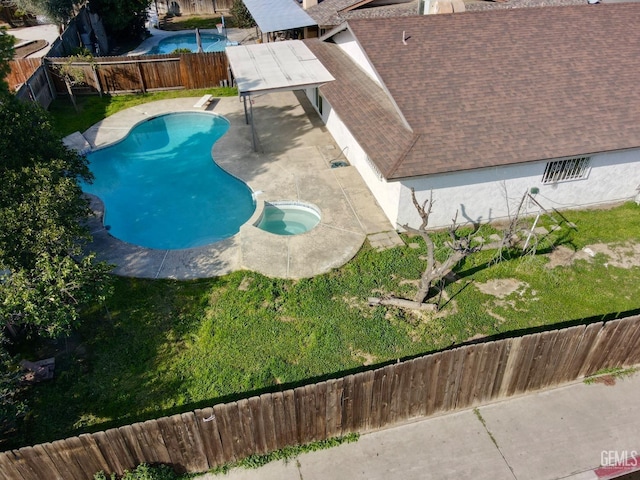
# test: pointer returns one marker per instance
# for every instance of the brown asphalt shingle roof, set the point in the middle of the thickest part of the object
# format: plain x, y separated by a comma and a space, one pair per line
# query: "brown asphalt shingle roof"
491, 88
334, 12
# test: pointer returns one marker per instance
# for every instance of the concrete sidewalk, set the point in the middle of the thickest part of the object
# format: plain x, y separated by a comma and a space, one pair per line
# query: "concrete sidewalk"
565, 433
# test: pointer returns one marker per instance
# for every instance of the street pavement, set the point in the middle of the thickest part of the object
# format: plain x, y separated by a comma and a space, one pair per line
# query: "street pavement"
576, 432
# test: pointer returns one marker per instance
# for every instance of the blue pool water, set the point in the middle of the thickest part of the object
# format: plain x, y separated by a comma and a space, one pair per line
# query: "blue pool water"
210, 43
162, 189
288, 218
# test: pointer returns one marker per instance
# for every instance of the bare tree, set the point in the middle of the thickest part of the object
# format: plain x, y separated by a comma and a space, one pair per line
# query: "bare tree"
461, 246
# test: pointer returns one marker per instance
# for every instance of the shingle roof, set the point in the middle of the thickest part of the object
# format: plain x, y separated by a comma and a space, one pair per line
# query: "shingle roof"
363, 106
334, 12
496, 88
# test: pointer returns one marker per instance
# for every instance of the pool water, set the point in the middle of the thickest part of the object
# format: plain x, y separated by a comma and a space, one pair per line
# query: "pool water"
210, 43
288, 218
161, 188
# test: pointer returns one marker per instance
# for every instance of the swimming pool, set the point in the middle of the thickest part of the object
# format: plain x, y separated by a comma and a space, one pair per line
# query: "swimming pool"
161, 188
210, 43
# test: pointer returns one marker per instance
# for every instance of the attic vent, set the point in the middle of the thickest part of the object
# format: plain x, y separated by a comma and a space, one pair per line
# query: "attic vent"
564, 170
374, 168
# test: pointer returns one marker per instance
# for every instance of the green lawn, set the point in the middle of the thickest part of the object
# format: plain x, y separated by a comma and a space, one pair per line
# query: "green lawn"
94, 108
164, 346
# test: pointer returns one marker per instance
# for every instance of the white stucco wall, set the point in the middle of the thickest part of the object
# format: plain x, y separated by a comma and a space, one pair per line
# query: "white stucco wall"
386, 193
488, 194
348, 44
491, 194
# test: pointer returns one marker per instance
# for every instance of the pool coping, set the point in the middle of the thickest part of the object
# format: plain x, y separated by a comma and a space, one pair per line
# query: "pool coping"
298, 172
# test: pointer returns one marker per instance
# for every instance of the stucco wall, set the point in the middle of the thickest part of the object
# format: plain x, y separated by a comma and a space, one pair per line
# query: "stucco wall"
488, 194
493, 193
386, 193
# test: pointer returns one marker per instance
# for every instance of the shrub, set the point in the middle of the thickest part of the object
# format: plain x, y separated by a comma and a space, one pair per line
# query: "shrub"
142, 472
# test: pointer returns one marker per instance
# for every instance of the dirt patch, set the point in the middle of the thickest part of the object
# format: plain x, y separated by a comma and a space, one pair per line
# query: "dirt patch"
363, 357
626, 255
245, 283
501, 287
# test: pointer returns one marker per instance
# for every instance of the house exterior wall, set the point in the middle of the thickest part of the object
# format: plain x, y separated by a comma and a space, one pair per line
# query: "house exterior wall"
386, 193
491, 194
488, 194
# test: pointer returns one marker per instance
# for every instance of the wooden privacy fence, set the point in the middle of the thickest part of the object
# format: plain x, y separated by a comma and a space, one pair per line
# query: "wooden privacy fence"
21, 70
453, 379
145, 73
37, 88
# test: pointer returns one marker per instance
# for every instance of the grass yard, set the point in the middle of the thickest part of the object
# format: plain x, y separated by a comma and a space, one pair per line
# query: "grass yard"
161, 346
94, 108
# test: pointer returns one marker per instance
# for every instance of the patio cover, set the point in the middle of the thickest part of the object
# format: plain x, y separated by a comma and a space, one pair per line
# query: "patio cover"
277, 15
275, 67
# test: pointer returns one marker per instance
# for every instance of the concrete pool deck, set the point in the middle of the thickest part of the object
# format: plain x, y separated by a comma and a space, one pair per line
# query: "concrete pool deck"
293, 163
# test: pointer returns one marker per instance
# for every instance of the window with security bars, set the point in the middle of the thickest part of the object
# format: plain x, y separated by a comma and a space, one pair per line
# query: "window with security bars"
563, 170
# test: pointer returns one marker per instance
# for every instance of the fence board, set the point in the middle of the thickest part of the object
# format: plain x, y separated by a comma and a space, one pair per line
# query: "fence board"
569, 347
524, 357
21, 70
630, 355
419, 379
155, 440
289, 403
488, 359
122, 458
321, 411
7, 469
192, 445
247, 428
283, 436
82, 457
235, 426
401, 395
334, 408
584, 348
60, 454
532, 379
268, 420
224, 429
259, 434
310, 420
433, 365
130, 439
90, 446
606, 341
362, 398
458, 357
467, 388
17, 466
347, 404
45, 468
172, 442
444, 374
210, 436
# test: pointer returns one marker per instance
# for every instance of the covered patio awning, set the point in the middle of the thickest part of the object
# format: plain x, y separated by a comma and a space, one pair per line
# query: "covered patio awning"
274, 67
278, 15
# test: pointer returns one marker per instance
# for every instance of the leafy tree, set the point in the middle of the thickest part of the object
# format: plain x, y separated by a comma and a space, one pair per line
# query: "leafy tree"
58, 11
242, 15
122, 18
46, 278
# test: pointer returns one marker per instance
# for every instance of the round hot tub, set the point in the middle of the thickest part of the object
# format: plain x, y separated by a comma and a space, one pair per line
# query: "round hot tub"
288, 218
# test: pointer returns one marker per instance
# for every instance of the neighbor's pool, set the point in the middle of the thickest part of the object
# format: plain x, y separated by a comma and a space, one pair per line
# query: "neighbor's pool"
210, 43
161, 188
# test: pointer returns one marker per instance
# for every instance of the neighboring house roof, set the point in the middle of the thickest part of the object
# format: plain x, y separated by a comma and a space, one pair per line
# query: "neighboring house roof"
490, 88
329, 13
278, 15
